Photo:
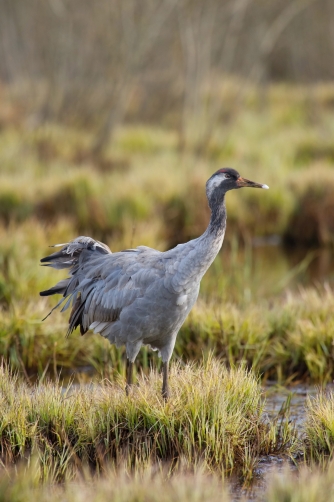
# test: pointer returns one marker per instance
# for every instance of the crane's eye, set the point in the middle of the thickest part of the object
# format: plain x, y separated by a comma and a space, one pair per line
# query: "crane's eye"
227, 176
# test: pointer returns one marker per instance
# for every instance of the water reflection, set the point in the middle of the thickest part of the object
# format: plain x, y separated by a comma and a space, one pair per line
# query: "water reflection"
320, 268
266, 270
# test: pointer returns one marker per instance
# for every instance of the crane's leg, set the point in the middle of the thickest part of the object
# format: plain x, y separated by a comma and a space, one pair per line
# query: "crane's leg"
129, 365
132, 349
165, 388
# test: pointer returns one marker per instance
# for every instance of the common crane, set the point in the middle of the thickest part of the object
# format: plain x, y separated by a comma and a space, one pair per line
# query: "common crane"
141, 296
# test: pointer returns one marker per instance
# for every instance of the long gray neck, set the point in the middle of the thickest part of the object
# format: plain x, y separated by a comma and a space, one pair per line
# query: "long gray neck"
217, 223
209, 243
195, 257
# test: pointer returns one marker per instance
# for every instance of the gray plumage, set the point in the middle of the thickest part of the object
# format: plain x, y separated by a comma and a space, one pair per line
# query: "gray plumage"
141, 296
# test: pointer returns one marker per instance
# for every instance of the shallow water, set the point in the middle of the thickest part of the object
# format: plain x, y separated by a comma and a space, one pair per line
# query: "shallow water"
276, 398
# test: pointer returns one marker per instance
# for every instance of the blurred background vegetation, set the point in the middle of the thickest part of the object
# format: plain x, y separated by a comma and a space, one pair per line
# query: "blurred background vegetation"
113, 114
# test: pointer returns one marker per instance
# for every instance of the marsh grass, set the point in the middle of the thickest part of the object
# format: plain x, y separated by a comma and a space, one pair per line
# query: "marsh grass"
212, 423
290, 340
319, 427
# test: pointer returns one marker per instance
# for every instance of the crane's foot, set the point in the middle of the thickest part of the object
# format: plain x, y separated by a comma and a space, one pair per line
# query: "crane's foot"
165, 394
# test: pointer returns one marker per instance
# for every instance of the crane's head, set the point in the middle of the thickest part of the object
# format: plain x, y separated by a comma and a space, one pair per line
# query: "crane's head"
227, 179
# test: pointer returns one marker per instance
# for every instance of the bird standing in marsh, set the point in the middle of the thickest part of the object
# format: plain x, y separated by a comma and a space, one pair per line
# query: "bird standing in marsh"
141, 296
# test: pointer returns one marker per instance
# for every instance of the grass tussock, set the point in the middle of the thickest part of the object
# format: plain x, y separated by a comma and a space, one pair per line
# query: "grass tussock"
213, 421
291, 340
319, 427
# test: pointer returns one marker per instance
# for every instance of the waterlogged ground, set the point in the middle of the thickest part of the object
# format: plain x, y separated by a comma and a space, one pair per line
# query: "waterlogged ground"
291, 404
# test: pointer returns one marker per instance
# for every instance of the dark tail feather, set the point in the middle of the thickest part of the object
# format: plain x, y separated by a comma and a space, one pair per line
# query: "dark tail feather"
54, 256
58, 289
76, 317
